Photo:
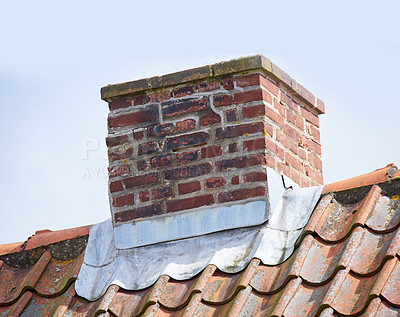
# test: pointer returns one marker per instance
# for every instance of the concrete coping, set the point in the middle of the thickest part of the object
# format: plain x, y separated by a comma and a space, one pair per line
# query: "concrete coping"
255, 62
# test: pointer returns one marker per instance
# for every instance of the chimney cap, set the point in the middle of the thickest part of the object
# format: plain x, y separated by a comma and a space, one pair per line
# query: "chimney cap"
255, 62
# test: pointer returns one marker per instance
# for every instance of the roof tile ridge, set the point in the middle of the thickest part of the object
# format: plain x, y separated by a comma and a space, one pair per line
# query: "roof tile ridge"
367, 205
20, 305
380, 175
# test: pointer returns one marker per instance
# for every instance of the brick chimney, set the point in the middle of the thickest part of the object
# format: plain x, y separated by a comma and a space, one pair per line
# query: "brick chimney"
204, 139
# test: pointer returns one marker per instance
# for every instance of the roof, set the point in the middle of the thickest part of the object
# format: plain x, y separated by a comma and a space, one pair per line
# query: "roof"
347, 262
218, 70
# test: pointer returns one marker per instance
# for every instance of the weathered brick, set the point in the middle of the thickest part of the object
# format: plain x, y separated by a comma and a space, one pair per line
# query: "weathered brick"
306, 94
228, 83
232, 148
160, 161
186, 140
248, 80
263, 143
235, 131
138, 134
309, 116
116, 140
162, 192
116, 156
248, 96
119, 170
144, 196
159, 96
179, 107
241, 194
315, 162
115, 186
211, 151
254, 177
263, 110
159, 129
214, 182
231, 115
222, 100
205, 87
270, 86
302, 153
189, 203
293, 162
186, 157
183, 91
148, 148
141, 165
304, 182
293, 146
187, 188
240, 162
139, 100
235, 180
315, 133
312, 145
289, 131
295, 176
188, 171
185, 125
283, 168
141, 212
125, 200
210, 119
120, 103
143, 116
141, 180
282, 138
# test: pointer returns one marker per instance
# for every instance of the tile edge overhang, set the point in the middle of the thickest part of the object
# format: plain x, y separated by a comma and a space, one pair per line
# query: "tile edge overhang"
254, 62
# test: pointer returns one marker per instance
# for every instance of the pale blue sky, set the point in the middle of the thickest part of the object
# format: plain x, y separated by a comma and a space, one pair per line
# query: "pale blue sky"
55, 57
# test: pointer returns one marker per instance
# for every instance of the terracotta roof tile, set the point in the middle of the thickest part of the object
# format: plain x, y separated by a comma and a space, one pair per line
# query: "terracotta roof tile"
347, 262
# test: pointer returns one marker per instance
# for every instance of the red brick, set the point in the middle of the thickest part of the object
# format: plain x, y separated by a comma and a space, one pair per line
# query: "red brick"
187, 188
210, 119
120, 103
232, 148
306, 94
231, 115
269, 161
141, 165
139, 100
315, 162
222, 100
320, 105
159, 96
189, 203
263, 110
281, 109
183, 91
235, 180
125, 200
302, 153
283, 168
119, 170
282, 138
141, 212
248, 80
116, 140
315, 133
179, 107
254, 177
241, 194
160, 161
205, 87
185, 125
115, 186
304, 182
138, 134
186, 157
186, 140
289, 131
293, 162
144, 196
159, 129
211, 151
312, 146
309, 116
141, 180
270, 86
293, 146
248, 96
162, 192
235, 131
228, 83
116, 156
148, 148
299, 122
240, 162
295, 176
188, 171
287, 100
137, 117
215, 182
